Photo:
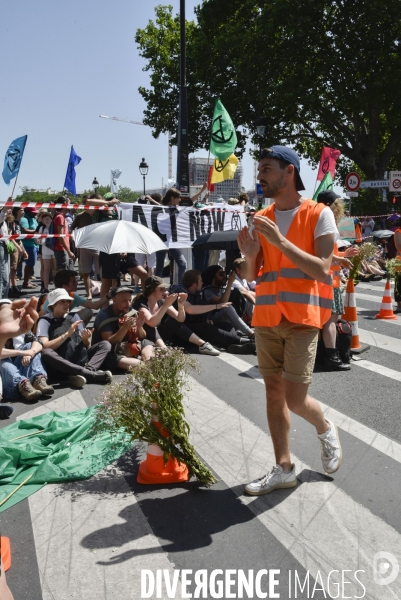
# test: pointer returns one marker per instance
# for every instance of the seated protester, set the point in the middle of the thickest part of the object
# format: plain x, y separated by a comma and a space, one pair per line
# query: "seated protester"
154, 306
67, 279
67, 346
22, 371
122, 328
241, 284
198, 316
214, 281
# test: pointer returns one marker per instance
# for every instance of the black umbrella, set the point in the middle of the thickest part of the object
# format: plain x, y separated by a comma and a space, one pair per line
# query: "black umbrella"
217, 240
220, 240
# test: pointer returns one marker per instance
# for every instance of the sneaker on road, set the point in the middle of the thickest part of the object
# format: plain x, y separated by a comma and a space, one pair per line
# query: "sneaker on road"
273, 480
207, 348
331, 449
77, 381
248, 348
98, 376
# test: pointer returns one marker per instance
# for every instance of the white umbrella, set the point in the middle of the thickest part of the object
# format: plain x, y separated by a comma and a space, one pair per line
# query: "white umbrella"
116, 237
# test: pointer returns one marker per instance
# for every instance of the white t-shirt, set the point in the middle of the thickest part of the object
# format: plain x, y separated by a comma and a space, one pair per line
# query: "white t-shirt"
326, 223
44, 325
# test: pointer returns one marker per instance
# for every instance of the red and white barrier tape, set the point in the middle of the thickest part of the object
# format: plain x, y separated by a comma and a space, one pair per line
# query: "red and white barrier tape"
36, 236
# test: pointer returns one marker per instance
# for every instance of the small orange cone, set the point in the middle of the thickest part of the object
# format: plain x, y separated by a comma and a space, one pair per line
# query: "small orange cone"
154, 469
5, 552
386, 309
350, 314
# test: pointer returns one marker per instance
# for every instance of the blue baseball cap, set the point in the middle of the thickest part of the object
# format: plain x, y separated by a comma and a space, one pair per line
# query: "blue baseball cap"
288, 156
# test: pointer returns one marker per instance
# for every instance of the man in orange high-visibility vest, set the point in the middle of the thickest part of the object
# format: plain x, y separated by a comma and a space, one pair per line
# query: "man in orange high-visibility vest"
288, 249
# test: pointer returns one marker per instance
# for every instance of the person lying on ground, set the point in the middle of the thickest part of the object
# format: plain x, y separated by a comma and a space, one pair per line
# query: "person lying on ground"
123, 328
155, 304
67, 349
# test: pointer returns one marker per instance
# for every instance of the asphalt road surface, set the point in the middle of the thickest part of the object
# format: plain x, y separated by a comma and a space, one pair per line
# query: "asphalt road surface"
329, 537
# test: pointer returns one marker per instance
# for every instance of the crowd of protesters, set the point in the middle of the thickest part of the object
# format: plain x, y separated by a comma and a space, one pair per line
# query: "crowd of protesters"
208, 308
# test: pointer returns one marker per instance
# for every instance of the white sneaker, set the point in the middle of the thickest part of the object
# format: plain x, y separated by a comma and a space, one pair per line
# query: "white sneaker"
207, 348
331, 449
274, 480
77, 381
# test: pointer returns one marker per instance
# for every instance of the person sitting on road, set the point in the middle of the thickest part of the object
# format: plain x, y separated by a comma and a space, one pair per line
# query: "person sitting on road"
241, 284
67, 280
22, 371
155, 304
199, 317
214, 282
67, 345
123, 329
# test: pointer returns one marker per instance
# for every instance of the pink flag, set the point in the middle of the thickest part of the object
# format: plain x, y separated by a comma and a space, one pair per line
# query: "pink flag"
328, 160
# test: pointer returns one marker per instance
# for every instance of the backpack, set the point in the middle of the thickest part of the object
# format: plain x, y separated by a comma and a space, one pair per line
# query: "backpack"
343, 340
343, 343
73, 348
50, 242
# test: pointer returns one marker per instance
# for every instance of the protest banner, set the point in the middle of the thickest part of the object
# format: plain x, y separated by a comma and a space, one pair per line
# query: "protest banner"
179, 227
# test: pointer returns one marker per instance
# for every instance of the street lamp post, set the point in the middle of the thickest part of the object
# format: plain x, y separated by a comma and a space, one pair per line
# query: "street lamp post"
143, 169
182, 137
95, 184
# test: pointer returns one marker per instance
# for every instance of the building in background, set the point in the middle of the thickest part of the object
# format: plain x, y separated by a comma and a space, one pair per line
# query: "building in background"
198, 174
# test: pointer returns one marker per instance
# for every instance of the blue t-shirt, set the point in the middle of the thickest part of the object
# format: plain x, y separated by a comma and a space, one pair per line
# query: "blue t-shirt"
27, 222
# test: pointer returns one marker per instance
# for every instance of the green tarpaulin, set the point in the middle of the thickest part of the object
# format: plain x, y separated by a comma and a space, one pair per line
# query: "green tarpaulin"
53, 448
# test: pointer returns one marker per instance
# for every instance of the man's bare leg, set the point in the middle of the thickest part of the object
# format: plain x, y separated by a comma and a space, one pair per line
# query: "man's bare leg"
282, 397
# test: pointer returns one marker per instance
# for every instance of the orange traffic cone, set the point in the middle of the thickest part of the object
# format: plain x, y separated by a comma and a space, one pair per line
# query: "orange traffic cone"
386, 309
154, 469
5, 552
350, 314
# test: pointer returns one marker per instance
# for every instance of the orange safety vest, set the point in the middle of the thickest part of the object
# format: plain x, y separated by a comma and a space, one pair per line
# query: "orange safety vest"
335, 269
358, 233
282, 289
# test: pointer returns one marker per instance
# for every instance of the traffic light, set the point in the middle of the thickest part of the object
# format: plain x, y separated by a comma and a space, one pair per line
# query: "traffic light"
394, 200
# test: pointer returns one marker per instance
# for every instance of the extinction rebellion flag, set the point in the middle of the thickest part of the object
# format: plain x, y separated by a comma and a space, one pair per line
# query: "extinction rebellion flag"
223, 138
13, 158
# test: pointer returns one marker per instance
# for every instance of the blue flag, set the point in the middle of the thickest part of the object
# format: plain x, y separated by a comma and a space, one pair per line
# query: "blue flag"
13, 158
69, 182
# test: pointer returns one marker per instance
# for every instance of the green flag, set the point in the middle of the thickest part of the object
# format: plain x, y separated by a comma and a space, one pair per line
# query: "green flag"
224, 139
325, 184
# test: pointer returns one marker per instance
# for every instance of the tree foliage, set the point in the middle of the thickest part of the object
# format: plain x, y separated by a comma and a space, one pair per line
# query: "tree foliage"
31, 195
320, 73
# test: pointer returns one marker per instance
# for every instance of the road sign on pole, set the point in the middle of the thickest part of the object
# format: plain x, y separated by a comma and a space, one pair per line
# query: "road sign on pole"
352, 194
352, 182
374, 183
395, 181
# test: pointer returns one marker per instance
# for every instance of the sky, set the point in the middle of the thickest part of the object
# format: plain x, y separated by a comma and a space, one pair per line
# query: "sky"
64, 64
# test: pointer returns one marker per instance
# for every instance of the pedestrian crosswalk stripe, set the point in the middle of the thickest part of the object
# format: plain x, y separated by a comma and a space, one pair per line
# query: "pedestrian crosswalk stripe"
386, 342
369, 297
323, 527
380, 442
86, 531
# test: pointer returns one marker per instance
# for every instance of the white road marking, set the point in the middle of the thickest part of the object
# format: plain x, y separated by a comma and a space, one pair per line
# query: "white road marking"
378, 441
91, 537
322, 527
379, 340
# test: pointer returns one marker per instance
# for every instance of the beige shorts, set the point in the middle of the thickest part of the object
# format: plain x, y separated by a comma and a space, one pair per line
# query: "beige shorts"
289, 349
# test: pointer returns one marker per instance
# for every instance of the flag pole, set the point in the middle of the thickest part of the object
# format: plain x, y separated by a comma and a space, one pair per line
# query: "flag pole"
15, 183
